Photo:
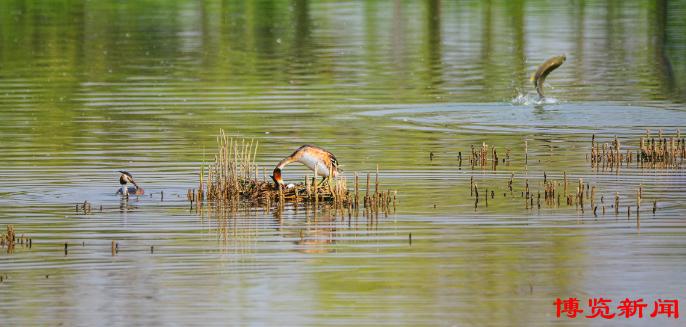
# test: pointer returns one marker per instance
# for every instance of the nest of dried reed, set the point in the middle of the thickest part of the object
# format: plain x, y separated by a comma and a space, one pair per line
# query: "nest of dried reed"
234, 176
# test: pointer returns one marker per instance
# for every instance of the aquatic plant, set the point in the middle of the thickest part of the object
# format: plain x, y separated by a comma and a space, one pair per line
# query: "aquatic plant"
10, 240
651, 152
234, 176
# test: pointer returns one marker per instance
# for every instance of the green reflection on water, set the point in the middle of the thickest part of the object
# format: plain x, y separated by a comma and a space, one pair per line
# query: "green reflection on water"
90, 87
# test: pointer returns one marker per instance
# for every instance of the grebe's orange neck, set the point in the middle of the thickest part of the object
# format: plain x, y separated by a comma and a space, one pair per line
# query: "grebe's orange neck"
276, 175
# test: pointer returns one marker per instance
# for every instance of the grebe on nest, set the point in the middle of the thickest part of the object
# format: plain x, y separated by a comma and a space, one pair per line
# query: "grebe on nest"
311, 156
124, 179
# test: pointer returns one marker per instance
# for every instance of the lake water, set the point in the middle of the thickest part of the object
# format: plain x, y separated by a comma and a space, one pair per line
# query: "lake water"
88, 88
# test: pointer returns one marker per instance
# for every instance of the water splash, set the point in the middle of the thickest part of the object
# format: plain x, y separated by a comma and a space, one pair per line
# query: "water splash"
532, 98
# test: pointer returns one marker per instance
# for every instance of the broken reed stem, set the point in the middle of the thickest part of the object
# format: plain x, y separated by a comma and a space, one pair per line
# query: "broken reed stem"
471, 185
357, 191
376, 182
486, 197
482, 155
366, 195
639, 193
10, 240
638, 219
233, 178
476, 197
651, 152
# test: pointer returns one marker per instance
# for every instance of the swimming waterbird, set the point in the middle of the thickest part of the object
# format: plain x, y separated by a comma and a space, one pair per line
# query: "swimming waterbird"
126, 178
314, 157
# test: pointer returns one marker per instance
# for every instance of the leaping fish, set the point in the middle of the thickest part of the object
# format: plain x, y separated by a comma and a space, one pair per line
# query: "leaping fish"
538, 78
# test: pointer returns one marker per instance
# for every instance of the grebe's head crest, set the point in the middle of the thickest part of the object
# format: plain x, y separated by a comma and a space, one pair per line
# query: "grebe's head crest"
126, 178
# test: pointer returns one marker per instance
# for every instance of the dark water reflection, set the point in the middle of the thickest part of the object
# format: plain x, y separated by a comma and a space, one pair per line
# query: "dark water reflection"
91, 87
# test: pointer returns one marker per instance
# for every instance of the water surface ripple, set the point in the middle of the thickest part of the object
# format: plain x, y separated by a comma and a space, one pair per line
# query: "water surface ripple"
90, 88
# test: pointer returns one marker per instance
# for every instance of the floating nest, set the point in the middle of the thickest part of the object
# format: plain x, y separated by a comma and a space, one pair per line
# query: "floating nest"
234, 176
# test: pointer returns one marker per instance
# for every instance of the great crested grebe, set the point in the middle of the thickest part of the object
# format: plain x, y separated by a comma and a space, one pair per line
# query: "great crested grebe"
314, 157
124, 179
